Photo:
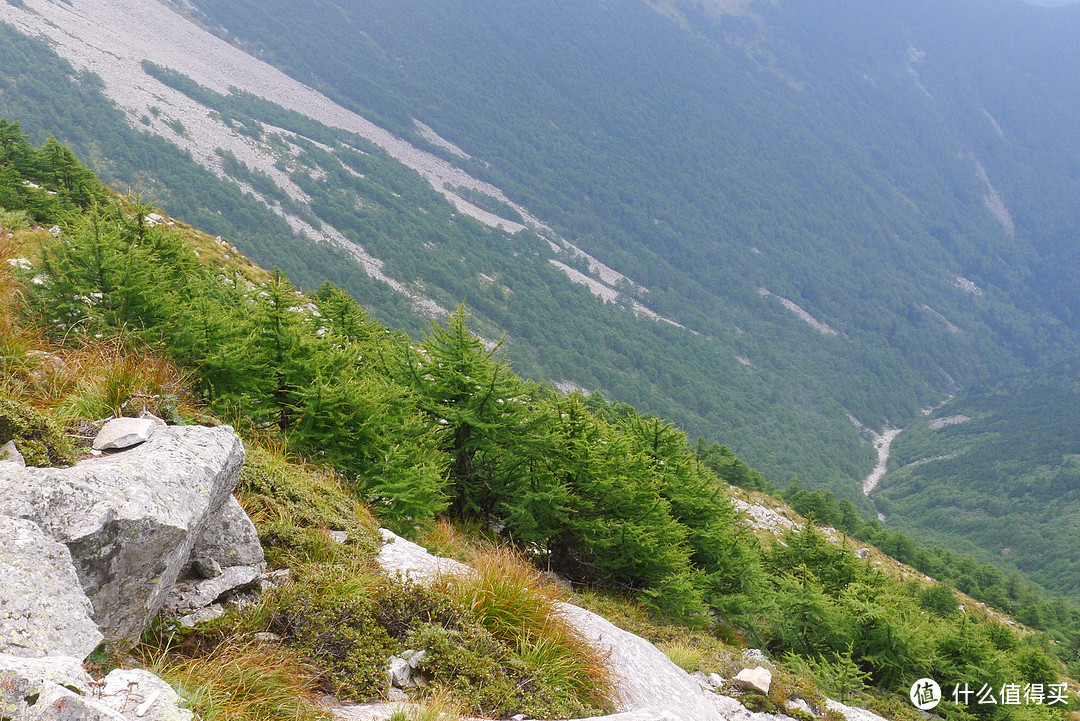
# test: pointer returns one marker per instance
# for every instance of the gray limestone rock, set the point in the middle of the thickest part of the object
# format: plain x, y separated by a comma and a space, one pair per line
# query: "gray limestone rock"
10, 454
852, 713
210, 613
757, 679
43, 610
130, 520
415, 659
230, 538
120, 433
273, 579
702, 680
196, 594
399, 672
205, 568
58, 689
648, 682
798, 704
136, 693
339, 536
863, 553
413, 561
28, 695
757, 657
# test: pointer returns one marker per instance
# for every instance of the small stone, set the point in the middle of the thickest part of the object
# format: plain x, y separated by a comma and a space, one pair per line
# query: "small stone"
518, 717
190, 595
273, 579
210, 613
55, 231
267, 637
798, 704
702, 680
399, 672
396, 695
10, 454
757, 679
863, 553
417, 658
120, 433
716, 680
339, 536
205, 568
756, 657
148, 416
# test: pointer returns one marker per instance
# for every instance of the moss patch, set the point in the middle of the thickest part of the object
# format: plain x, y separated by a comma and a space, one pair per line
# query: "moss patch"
38, 438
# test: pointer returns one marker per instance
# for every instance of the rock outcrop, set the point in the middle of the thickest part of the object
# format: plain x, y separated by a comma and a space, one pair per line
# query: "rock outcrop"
43, 609
131, 519
92, 552
56, 688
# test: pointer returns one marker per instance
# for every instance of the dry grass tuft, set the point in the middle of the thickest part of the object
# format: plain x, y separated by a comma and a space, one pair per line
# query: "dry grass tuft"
99, 379
520, 607
244, 681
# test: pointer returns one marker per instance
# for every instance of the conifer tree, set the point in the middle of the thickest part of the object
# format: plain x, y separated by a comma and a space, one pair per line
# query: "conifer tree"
280, 351
484, 411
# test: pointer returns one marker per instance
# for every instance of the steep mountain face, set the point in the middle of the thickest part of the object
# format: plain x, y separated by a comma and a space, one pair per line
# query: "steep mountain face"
797, 212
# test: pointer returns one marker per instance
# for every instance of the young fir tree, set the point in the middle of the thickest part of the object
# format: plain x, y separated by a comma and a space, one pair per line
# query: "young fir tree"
483, 409
281, 351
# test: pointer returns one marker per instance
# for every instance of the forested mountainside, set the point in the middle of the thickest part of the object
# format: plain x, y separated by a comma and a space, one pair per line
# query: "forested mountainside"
801, 214
995, 474
109, 308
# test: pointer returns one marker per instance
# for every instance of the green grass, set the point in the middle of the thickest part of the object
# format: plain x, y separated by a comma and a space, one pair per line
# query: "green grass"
513, 601
687, 658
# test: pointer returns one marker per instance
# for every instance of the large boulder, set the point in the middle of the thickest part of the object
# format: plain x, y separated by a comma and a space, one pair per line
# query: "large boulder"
56, 687
43, 610
130, 520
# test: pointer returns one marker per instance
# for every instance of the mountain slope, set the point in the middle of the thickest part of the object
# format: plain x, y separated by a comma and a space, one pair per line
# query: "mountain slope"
843, 212
995, 474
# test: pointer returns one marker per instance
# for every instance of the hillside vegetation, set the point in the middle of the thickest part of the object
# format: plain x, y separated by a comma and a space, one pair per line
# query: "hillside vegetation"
846, 162
999, 480
610, 498
862, 170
